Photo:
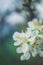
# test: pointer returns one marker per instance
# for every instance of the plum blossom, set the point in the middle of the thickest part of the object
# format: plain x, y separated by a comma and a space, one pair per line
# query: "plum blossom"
30, 42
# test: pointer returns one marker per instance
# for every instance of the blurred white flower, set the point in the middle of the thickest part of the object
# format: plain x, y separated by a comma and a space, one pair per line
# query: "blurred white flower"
25, 56
34, 23
16, 36
14, 18
41, 35
31, 41
41, 53
9, 5
17, 43
23, 48
34, 52
39, 8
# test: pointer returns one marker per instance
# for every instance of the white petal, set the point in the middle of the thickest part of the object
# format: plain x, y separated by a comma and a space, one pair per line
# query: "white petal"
30, 24
29, 32
22, 58
25, 47
34, 52
17, 43
32, 40
19, 50
35, 20
25, 56
41, 35
34, 34
41, 54
40, 42
23, 35
15, 35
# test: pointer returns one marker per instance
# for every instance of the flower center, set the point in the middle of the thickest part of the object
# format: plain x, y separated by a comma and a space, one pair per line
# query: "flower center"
17, 36
37, 23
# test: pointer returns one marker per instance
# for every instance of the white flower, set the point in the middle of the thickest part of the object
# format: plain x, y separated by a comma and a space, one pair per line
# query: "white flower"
40, 43
25, 56
34, 23
23, 48
41, 53
19, 50
16, 36
24, 35
17, 43
34, 52
30, 42
28, 32
41, 28
40, 35
31, 24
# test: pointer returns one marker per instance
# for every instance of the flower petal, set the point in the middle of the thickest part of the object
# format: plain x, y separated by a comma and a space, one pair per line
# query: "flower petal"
32, 40
18, 50
34, 52
17, 43
41, 54
25, 47
16, 36
41, 35
25, 56
30, 24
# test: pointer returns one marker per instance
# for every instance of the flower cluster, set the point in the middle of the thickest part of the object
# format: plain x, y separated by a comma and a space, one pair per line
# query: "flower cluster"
30, 42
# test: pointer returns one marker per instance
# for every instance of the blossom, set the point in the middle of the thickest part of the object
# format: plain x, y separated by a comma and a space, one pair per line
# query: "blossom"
34, 52
41, 53
16, 36
34, 23
30, 42
25, 56
23, 48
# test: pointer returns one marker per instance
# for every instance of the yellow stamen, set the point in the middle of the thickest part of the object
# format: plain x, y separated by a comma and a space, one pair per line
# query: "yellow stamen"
17, 36
37, 23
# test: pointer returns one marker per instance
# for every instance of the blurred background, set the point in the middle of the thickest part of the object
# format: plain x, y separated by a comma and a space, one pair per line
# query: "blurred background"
14, 15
